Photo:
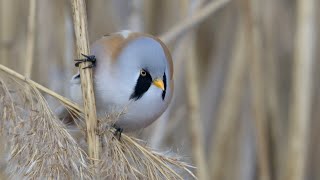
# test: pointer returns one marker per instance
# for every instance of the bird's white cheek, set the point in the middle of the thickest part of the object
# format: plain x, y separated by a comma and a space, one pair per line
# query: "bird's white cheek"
148, 108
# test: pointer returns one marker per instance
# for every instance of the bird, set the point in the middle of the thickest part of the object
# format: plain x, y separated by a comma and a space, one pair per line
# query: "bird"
133, 73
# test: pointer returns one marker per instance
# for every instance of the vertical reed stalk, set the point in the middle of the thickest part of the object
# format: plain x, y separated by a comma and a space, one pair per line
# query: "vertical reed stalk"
6, 27
300, 109
226, 118
195, 122
270, 8
136, 22
81, 34
30, 37
254, 52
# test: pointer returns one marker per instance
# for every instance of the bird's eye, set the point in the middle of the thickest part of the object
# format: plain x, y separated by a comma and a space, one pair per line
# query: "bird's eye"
143, 72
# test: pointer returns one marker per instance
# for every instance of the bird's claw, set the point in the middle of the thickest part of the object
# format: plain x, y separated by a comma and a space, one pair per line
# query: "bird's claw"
118, 132
88, 58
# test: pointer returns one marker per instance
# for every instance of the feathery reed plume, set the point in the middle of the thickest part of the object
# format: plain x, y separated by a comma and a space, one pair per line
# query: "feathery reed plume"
38, 143
132, 159
32, 128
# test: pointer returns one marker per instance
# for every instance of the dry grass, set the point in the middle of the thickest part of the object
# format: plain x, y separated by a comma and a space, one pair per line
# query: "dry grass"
40, 145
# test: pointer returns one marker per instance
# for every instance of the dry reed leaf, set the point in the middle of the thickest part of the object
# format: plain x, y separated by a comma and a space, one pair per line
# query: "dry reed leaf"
40, 145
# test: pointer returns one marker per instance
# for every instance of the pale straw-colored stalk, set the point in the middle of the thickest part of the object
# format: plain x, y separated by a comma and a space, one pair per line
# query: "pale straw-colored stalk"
192, 21
300, 108
30, 37
82, 44
254, 52
226, 117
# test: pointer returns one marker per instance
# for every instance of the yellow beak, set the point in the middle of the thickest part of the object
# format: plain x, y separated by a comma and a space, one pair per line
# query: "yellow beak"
158, 83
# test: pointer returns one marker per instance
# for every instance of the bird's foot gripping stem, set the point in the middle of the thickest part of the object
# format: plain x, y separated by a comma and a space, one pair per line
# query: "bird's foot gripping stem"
88, 58
118, 132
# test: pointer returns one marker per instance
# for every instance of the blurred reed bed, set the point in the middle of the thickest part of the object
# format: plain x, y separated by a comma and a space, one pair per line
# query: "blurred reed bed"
246, 88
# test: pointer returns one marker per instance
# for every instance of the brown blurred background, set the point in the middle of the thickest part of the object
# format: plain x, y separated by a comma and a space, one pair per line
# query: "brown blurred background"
246, 102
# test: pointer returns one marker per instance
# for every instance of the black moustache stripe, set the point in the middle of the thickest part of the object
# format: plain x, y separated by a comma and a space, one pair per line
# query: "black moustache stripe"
142, 86
165, 86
